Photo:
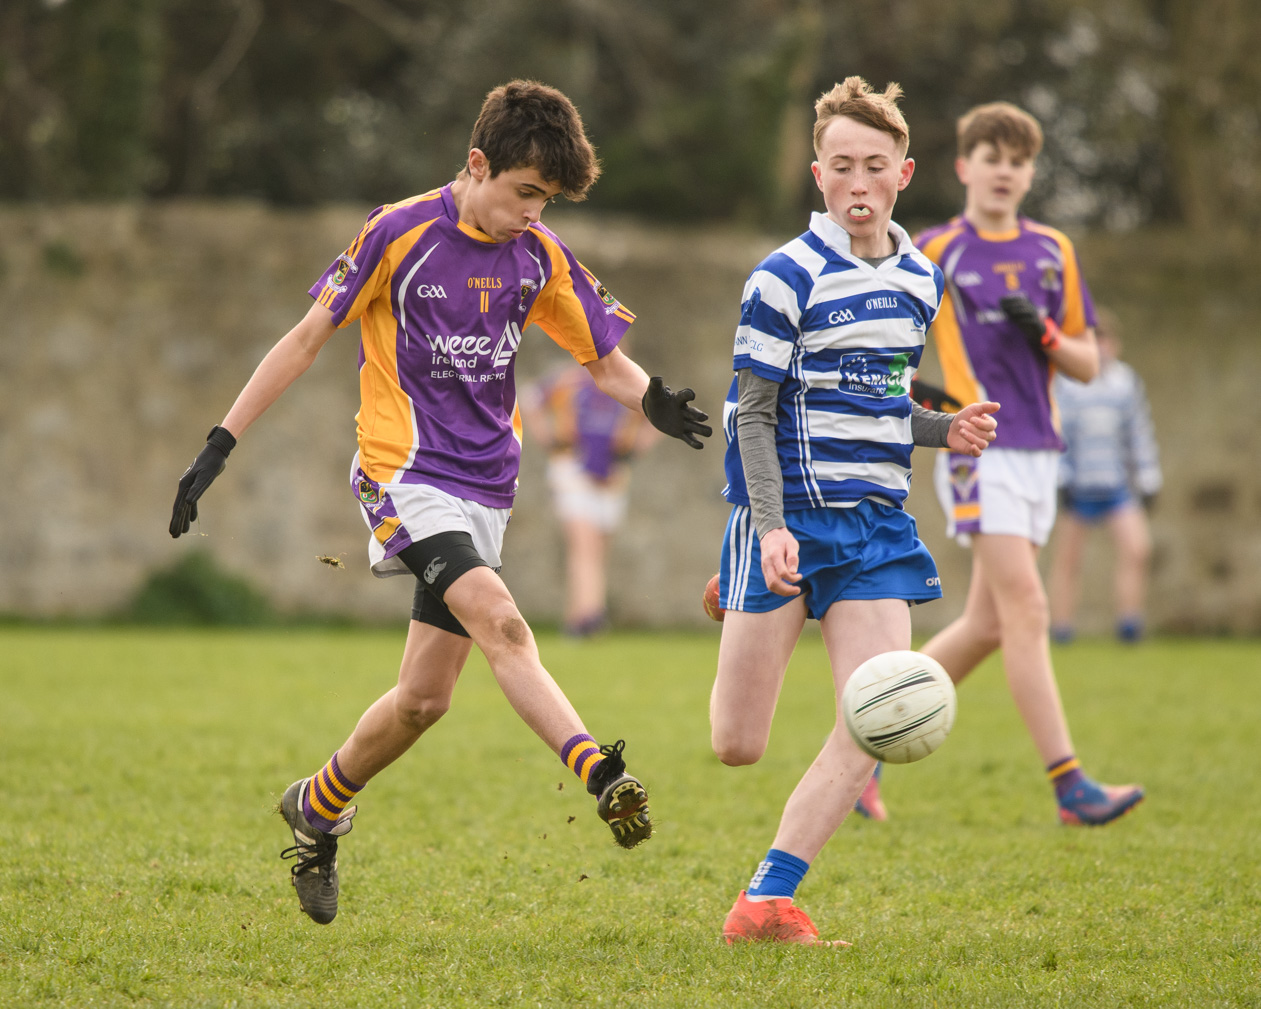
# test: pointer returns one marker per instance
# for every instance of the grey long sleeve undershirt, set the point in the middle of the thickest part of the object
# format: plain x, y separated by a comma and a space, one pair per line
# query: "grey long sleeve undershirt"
758, 401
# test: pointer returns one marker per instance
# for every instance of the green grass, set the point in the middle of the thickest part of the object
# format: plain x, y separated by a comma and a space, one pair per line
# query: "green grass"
138, 850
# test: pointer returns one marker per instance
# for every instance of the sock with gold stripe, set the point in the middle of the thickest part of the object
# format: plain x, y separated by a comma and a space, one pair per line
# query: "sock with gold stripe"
1065, 774
581, 754
327, 794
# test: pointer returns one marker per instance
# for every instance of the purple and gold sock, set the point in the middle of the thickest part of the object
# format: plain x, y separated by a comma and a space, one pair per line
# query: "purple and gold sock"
1065, 775
327, 794
581, 754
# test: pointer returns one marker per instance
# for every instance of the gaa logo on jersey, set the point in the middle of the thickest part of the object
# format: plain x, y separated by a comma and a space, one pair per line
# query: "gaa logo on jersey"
874, 374
369, 493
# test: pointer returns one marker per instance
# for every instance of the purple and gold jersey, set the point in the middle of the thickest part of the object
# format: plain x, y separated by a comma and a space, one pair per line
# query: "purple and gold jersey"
599, 431
442, 309
983, 356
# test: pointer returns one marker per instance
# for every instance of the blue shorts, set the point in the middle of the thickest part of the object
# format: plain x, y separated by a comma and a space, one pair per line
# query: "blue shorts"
1096, 509
869, 551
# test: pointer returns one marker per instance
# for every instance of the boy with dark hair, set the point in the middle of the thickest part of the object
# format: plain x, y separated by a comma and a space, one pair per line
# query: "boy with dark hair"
1016, 310
820, 429
443, 285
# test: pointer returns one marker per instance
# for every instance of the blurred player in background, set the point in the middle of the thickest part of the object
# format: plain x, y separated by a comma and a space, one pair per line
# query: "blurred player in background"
591, 440
443, 285
1109, 475
1016, 310
820, 429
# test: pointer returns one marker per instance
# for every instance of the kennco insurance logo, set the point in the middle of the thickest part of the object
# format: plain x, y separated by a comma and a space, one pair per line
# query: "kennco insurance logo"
874, 374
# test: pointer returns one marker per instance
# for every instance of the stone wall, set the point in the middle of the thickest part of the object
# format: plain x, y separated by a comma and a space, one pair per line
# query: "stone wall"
130, 329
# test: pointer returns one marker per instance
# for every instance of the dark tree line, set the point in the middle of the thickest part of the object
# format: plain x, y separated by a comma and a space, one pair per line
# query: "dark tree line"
700, 109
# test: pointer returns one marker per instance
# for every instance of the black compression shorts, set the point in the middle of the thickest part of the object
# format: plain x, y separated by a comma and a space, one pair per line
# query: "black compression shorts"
437, 561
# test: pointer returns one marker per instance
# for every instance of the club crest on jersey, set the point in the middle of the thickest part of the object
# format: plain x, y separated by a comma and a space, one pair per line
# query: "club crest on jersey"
528, 287
750, 306
1050, 274
345, 266
606, 296
874, 374
369, 493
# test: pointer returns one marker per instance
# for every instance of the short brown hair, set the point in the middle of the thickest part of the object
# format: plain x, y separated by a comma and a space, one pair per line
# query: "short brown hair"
525, 124
1000, 123
854, 99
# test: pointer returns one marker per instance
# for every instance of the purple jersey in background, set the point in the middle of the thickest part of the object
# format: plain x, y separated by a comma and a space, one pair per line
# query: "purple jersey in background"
597, 430
442, 309
982, 355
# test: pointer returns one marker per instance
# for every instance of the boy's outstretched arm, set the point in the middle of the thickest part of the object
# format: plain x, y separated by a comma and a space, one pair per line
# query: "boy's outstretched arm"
620, 378
972, 429
288, 359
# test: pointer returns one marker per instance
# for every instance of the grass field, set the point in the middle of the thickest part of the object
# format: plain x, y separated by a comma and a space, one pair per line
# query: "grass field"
138, 851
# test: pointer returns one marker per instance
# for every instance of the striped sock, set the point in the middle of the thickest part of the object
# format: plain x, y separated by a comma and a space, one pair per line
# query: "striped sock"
327, 794
1065, 774
581, 754
778, 875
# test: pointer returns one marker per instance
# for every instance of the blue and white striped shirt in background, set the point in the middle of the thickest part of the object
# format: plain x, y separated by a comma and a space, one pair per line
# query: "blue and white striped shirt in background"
843, 339
1109, 441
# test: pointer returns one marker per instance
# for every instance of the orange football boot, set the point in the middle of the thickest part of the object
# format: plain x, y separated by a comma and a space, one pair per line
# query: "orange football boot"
774, 920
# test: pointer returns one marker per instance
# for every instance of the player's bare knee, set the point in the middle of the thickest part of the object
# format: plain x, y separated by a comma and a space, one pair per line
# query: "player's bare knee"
1033, 611
420, 711
514, 631
735, 751
503, 630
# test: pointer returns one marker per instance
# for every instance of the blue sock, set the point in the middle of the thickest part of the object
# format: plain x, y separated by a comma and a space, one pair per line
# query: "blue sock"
1130, 629
778, 875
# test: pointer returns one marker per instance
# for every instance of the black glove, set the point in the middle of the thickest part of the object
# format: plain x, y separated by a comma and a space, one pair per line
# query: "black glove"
669, 412
208, 465
932, 398
1042, 334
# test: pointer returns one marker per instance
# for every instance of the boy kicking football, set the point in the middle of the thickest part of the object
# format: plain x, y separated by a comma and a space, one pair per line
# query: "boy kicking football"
443, 285
820, 429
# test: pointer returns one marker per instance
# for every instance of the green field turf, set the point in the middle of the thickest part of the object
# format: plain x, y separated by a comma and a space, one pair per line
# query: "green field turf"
138, 850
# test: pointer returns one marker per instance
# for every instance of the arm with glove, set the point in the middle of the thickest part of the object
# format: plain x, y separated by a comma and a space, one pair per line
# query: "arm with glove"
620, 378
283, 364
1077, 356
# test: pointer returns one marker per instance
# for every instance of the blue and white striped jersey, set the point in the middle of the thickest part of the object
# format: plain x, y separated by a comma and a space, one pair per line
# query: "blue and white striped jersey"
1109, 441
843, 339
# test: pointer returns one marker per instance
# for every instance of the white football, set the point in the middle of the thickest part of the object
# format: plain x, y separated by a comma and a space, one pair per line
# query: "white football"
899, 706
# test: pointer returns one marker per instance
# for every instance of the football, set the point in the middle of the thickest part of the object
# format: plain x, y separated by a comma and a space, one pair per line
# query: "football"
710, 601
899, 706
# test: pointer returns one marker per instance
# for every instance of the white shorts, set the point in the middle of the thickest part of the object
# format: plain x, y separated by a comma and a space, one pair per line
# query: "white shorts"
579, 498
426, 511
1011, 492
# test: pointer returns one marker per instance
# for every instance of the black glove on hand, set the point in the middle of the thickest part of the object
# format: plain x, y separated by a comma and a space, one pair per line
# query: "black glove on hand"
208, 465
1042, 334
932, 398
669, 412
